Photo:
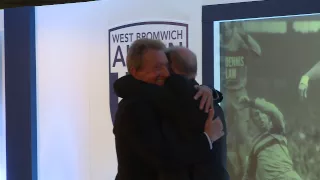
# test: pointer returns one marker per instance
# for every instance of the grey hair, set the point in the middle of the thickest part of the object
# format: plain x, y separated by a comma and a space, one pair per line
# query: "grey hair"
138, 48
187, 65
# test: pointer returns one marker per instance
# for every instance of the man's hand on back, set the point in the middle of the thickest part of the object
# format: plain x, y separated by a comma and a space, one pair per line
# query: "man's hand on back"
213, 128
206, 97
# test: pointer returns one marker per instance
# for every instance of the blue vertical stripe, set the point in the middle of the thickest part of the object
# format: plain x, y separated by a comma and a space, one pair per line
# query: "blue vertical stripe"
20, 89
1, 88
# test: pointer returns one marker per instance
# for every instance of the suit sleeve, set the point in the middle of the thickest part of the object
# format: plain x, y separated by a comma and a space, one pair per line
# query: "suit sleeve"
221, 145
186, 92
144, 134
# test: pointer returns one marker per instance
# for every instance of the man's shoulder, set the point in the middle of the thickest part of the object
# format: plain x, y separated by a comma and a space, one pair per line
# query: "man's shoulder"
127, 112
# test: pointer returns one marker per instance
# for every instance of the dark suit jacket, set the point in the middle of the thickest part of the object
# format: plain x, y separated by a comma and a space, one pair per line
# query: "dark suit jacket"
219, 151
142, 149
175, 102
193, 121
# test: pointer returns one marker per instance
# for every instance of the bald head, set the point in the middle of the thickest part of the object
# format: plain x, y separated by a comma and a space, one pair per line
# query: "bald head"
183, 61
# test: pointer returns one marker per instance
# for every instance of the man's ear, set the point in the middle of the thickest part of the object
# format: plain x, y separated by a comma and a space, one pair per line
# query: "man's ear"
132, 71
135, 73
168, 54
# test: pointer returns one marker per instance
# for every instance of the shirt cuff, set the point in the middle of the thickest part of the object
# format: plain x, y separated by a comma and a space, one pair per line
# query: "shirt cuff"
209, 140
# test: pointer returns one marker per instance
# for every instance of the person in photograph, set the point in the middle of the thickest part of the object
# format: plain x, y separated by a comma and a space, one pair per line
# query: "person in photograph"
147, 135
269, 157
237, 49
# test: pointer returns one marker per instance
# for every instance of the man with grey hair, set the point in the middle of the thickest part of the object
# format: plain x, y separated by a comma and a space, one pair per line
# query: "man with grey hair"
149, 140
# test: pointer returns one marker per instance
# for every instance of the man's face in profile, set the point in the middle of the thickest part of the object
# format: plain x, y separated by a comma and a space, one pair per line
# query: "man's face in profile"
154, 69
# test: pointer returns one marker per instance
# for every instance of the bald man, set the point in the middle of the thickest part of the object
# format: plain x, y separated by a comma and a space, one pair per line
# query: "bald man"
183, 61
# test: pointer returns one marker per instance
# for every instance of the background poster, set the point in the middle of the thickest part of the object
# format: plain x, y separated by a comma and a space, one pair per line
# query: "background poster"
275, 63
